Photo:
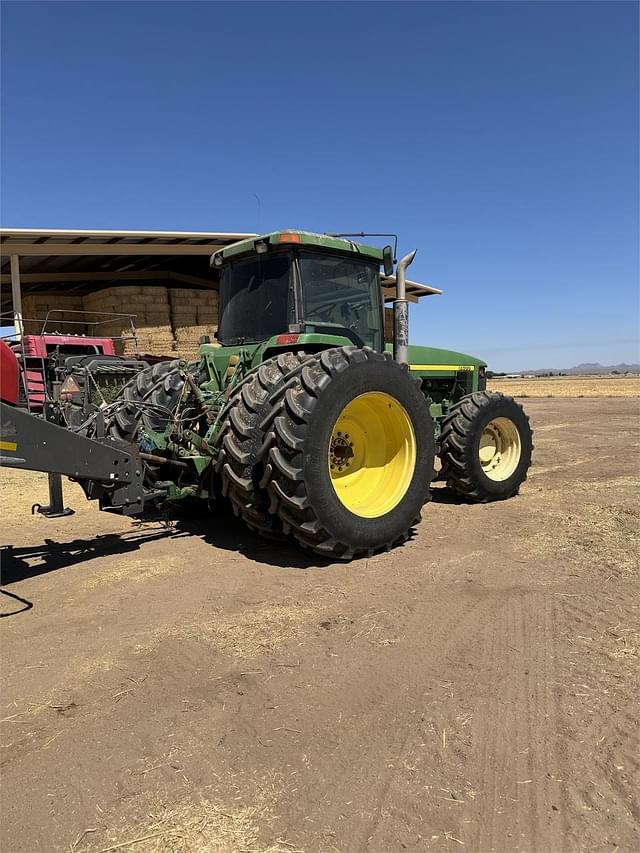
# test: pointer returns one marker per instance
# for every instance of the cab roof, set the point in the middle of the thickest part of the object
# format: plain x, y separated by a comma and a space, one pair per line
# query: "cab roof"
295, 236
305, 238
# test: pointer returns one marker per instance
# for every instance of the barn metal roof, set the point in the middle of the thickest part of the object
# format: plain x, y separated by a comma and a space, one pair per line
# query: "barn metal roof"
36, 245
81, 259
91, 241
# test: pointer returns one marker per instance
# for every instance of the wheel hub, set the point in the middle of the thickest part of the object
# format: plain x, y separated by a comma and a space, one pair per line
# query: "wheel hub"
341, 452
372, 454
500, 449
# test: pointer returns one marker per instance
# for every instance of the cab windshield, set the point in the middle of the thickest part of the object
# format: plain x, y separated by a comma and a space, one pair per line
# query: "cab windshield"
342, 292
255, 301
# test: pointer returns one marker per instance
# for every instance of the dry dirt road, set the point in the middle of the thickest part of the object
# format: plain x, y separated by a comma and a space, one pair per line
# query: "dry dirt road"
198, 690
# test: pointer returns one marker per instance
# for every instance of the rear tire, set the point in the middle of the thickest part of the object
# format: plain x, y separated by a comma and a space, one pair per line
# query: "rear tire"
242, 436
150, 398
485, 447
350, 457
150, 401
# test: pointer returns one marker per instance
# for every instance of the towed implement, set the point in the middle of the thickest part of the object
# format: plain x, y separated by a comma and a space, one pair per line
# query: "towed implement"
300, 414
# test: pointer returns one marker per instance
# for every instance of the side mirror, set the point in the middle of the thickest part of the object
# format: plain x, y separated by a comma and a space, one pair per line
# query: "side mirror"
387, 260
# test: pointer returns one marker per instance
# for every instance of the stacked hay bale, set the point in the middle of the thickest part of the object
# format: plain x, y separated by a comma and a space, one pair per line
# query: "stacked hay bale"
167, 321
149, 304
36, 306
194, 313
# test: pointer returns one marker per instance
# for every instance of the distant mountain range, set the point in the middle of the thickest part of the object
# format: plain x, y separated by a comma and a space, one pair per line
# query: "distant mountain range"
587, 369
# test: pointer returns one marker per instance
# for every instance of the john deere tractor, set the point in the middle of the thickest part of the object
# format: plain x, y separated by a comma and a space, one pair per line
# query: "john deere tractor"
299, 414
305, 420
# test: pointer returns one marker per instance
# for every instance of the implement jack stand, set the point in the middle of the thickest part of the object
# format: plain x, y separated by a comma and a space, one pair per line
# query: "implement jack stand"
56, 507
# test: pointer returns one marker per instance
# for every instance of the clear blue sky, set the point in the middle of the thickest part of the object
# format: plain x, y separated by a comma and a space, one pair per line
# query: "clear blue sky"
501, 140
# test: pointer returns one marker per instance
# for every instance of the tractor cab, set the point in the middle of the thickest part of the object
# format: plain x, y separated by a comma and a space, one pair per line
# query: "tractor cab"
300, 283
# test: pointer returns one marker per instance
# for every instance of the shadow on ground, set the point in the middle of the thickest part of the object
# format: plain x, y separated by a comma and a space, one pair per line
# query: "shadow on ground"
229, 533
223, 531
33, 560
220, 530
443, 495
25, 603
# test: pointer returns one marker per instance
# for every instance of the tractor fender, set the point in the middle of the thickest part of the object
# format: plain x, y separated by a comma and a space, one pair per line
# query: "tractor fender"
9, 375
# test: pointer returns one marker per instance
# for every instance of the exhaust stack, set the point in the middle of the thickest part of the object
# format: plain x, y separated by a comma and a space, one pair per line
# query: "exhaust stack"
401, 312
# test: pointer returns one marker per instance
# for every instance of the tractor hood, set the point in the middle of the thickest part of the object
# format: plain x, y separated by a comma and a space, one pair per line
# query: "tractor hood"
445, 359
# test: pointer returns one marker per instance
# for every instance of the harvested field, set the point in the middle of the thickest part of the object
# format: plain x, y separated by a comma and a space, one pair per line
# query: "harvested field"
192, 688
569, 386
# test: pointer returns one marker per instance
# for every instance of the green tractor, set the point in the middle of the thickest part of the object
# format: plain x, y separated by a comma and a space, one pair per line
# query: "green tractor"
305, 419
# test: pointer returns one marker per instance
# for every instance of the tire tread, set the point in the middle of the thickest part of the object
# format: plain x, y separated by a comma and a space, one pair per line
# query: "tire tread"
284, 477
455, 437
241, 441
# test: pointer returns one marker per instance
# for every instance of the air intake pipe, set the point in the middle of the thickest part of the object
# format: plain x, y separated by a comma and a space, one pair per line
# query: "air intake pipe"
401, 312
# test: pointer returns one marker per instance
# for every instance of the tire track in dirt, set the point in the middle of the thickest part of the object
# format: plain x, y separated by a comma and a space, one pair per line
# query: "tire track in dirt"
518, 731
467, 790
601, 701
415, 782
475, 799
380, 800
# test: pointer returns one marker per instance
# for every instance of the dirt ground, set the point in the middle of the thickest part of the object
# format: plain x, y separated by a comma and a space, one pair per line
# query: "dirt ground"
195, 689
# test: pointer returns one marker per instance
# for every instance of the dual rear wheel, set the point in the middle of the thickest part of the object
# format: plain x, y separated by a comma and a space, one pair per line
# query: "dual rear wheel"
339, 455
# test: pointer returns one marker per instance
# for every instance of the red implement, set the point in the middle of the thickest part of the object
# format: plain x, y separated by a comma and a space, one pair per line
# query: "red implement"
9, 375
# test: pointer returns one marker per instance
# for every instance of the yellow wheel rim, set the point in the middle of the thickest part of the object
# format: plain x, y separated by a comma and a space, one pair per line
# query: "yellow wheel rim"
372, 454
500, 449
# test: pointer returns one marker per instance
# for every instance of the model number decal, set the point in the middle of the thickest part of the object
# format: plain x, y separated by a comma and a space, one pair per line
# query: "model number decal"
466, 367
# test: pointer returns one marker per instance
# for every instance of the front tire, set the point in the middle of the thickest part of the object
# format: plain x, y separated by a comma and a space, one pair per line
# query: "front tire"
351, 454
485, 447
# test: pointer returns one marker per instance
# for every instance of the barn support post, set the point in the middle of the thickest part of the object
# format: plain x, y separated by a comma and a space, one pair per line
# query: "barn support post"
16, 296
